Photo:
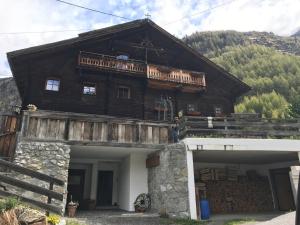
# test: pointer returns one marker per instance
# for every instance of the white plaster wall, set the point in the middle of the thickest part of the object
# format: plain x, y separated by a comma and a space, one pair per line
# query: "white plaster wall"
138, 177
124, 183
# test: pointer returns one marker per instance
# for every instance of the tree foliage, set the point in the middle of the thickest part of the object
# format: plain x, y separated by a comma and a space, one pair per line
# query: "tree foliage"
273, 74
269, 105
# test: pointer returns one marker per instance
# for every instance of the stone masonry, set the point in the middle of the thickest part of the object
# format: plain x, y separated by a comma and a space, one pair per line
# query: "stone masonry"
168, 182
51, 158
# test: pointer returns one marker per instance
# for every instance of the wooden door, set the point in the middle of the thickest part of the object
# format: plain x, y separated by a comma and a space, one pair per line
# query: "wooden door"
283, 189
105, 188
76, 185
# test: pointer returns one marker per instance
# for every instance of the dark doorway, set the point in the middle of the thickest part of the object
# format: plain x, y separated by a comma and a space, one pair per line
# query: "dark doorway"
283, 189
105, 187
76, 185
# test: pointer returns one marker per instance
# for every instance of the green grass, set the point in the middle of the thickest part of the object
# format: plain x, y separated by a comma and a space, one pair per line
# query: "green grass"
165, 221
74, 222
238, 221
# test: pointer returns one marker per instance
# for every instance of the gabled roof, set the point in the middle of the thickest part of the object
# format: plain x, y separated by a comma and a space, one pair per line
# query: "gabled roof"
243, 88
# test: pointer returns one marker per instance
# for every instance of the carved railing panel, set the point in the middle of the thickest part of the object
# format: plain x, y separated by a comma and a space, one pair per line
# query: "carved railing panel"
111, 63
175, 75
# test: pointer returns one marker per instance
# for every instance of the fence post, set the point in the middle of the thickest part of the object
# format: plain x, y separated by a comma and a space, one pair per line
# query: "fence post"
51, 184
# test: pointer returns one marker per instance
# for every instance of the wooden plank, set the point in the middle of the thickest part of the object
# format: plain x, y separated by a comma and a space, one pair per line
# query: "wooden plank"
121, 133
87, 131
149, 134
104, 132
31, 173
155, 135
44, 206
42, 128
31, 187
163, 135
128, 133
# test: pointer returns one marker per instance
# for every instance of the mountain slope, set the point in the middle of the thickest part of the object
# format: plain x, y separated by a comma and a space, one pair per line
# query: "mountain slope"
215, 43
267, 62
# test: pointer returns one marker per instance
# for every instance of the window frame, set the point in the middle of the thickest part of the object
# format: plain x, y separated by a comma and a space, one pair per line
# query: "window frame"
90, 85
221, 110
52, 79
123, 87
191, 105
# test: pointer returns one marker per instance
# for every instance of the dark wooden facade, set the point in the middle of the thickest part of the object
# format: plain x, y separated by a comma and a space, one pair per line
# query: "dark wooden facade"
160, 70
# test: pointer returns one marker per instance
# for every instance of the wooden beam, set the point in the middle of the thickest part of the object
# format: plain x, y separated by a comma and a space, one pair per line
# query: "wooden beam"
31, 187
31, 173
38, 204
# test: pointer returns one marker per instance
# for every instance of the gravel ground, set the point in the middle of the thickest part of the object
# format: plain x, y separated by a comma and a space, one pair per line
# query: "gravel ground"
286, 219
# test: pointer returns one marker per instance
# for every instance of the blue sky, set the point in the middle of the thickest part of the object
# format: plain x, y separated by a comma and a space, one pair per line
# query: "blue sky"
279, 16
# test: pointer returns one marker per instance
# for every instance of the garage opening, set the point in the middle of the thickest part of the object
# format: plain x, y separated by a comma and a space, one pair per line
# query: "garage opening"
244, 181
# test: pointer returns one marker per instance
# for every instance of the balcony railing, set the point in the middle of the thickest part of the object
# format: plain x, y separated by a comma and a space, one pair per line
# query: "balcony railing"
237, 127
150, 71
87, 128
111, 63
165, 73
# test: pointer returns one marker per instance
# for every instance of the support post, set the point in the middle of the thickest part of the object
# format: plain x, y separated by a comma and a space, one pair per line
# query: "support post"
298, 204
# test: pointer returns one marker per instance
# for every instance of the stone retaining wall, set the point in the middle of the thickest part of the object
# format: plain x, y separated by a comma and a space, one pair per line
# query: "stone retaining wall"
168, 182
51, 158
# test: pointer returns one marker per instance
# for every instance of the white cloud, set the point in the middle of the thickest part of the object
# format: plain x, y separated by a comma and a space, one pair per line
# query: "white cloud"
279, 16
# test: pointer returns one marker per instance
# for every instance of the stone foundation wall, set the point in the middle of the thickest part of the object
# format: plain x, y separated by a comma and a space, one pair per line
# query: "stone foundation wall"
46, 157
168, 182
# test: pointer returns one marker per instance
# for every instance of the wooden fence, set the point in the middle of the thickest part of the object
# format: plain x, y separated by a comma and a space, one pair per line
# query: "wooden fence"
193, 126
75, 127
49, 193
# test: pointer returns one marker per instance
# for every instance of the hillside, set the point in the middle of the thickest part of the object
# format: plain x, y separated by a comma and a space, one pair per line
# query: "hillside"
297, 34
215, 43
270, 64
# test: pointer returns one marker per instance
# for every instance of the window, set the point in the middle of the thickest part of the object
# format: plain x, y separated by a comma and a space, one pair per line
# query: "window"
123, 92
218, 110
191, 108
52, 85
123, 57
89, 89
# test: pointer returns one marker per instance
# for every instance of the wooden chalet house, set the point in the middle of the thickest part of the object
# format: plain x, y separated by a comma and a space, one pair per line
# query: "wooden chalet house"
106, 103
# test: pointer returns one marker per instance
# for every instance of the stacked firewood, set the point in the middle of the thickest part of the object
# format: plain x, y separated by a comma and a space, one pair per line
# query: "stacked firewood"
228, 173
242, 195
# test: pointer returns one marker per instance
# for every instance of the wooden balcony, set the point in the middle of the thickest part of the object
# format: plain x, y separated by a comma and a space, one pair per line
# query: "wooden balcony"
154, 73
164, 73
105, 62
238, 127
92, 129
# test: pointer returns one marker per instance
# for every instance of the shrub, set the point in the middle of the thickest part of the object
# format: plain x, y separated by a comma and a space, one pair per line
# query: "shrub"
8, 204
53, 219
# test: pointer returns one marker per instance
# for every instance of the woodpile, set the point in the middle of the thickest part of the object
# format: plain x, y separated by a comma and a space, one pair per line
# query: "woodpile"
242, 195
210, 174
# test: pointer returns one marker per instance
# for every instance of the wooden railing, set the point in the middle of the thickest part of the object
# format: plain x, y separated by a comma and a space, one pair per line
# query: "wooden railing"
8, 181
76, 127
194, 126
111, 63
150, 71
8, 135
164, 73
